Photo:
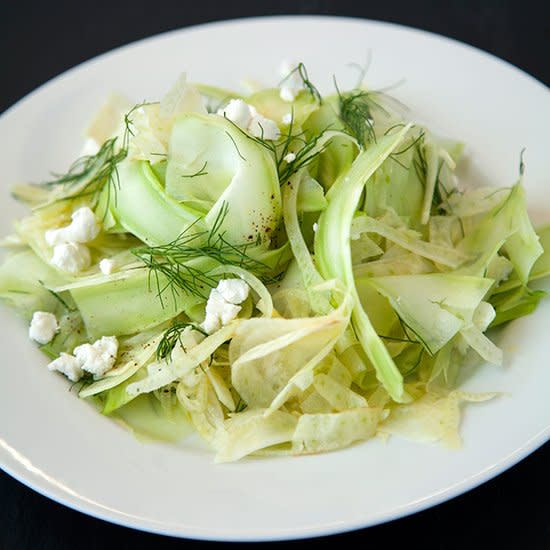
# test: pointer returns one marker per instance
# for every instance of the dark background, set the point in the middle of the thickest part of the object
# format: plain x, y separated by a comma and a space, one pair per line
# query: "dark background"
39, 40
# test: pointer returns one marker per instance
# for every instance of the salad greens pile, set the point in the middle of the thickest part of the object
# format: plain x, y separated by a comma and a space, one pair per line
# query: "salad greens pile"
285, 272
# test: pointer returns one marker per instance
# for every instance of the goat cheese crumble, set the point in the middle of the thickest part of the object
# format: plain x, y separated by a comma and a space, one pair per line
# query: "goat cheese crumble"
69, 253
68, 365
99, 357
290, 157
43, 327
71, 257
286, 119
247, 118
96, 358
82, 229
292, 84
223, 303
106, 266
238, 112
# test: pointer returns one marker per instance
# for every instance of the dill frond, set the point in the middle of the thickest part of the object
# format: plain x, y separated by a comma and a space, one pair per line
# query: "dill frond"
416, 142
356, 114
438, 199
89, 175
419, 161
301, 71
200, 172
173, 277
416, 364
306, 154
441, 193
407, 330
86, 380
60, 299
172, 336
241, 405
521, 163
234, 142
304, 149
170, 268
397, 339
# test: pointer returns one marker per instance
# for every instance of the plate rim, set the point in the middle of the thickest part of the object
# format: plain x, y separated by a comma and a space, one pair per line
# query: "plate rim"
252, 19
38, 481
95, 510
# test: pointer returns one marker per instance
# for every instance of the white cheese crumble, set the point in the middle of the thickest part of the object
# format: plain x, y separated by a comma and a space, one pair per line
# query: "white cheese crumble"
99, 357
82, 229
43, 327
234, 291
71, 257
292, 84
264, 128
67, 365
223, 303
290, 157
218, 312
69, 252
247, 118
287, 119
288, 93
106, 266
238, 112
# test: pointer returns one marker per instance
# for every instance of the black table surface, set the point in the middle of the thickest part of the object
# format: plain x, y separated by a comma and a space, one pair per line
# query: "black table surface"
39, 40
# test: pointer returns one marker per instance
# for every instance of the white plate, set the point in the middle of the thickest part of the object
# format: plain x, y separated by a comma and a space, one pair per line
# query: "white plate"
61, 447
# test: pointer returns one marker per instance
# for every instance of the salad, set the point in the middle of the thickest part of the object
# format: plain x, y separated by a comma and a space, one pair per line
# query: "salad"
283, 272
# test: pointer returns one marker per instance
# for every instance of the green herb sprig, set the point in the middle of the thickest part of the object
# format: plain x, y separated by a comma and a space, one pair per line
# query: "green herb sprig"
305, 152
89, 175
301, 71
172, 336
170, 268
356, 115
200, 172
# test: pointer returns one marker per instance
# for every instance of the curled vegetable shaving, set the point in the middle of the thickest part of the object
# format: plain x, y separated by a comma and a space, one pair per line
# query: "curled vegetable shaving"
333, 238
